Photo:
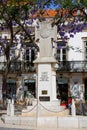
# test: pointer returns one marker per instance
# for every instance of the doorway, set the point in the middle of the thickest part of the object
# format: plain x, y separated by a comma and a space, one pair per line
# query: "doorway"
63, 89
11, 88
30, 84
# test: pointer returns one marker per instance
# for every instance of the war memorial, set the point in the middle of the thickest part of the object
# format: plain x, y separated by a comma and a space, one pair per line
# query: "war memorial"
45, 111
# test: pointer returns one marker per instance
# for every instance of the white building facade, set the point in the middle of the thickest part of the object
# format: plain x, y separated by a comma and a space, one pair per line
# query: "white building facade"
71, 72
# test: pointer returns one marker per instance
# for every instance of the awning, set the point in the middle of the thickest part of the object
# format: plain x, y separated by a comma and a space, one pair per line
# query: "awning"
10, 81
62, 81
61, 43
30, 81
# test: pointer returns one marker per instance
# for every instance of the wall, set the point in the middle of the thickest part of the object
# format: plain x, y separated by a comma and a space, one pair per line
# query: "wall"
77, 44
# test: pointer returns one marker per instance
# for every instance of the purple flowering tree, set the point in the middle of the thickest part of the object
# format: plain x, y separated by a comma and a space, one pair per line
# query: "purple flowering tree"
17, 15
15, 19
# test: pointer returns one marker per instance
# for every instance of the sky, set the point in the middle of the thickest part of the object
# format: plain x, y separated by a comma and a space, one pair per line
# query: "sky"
52, 5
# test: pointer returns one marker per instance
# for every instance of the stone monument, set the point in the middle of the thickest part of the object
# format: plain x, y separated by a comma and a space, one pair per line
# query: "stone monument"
46, 63
46, 73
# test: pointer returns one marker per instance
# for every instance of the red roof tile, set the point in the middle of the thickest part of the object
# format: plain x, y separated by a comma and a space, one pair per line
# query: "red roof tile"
53, 13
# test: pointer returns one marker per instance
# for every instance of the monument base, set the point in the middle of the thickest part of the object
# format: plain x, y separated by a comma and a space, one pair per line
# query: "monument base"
45, 108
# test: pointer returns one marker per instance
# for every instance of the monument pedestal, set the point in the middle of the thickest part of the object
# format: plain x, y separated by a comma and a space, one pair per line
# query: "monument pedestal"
46, 82
45, 64
45, 68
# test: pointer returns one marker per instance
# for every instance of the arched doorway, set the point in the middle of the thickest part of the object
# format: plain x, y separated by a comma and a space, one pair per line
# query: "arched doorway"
11, 88
30, 84
63, 89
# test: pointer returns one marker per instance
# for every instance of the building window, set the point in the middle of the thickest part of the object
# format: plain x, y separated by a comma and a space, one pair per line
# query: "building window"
85, 50
61, 51
29, 56
12, 53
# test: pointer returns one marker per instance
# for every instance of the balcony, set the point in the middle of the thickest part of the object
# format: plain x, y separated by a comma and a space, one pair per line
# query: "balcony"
18, 67
72, 66
65, 66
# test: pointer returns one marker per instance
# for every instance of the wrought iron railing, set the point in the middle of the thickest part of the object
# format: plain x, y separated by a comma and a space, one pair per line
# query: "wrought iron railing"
63, 66
18, 67
72, 66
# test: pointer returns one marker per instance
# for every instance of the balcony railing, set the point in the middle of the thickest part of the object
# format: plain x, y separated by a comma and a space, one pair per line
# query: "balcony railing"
72, 66
65, 66
18, 67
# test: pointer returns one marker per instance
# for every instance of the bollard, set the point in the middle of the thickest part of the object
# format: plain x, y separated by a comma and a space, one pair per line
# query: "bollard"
73, 109
12, 108
8, 107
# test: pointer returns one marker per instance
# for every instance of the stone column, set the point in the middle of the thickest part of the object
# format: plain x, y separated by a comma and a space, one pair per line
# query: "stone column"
46, 74
54, 94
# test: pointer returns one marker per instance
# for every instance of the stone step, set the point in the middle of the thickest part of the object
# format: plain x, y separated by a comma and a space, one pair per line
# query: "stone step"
45, 113
44, 110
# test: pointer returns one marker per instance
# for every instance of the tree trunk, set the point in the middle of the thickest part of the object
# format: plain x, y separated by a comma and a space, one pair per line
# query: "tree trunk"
4, 90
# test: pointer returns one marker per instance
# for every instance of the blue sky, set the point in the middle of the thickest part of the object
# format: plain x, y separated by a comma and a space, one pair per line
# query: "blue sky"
52, 6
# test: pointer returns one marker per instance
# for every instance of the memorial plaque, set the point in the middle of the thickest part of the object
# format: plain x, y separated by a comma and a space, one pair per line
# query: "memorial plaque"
44, 98
44, 76
44, 79
44, 92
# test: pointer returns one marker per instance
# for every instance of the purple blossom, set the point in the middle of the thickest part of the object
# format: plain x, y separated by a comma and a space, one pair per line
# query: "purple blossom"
29, 30
29, 22
59, 47
71, 35
61, 33
14, 23
65, 37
